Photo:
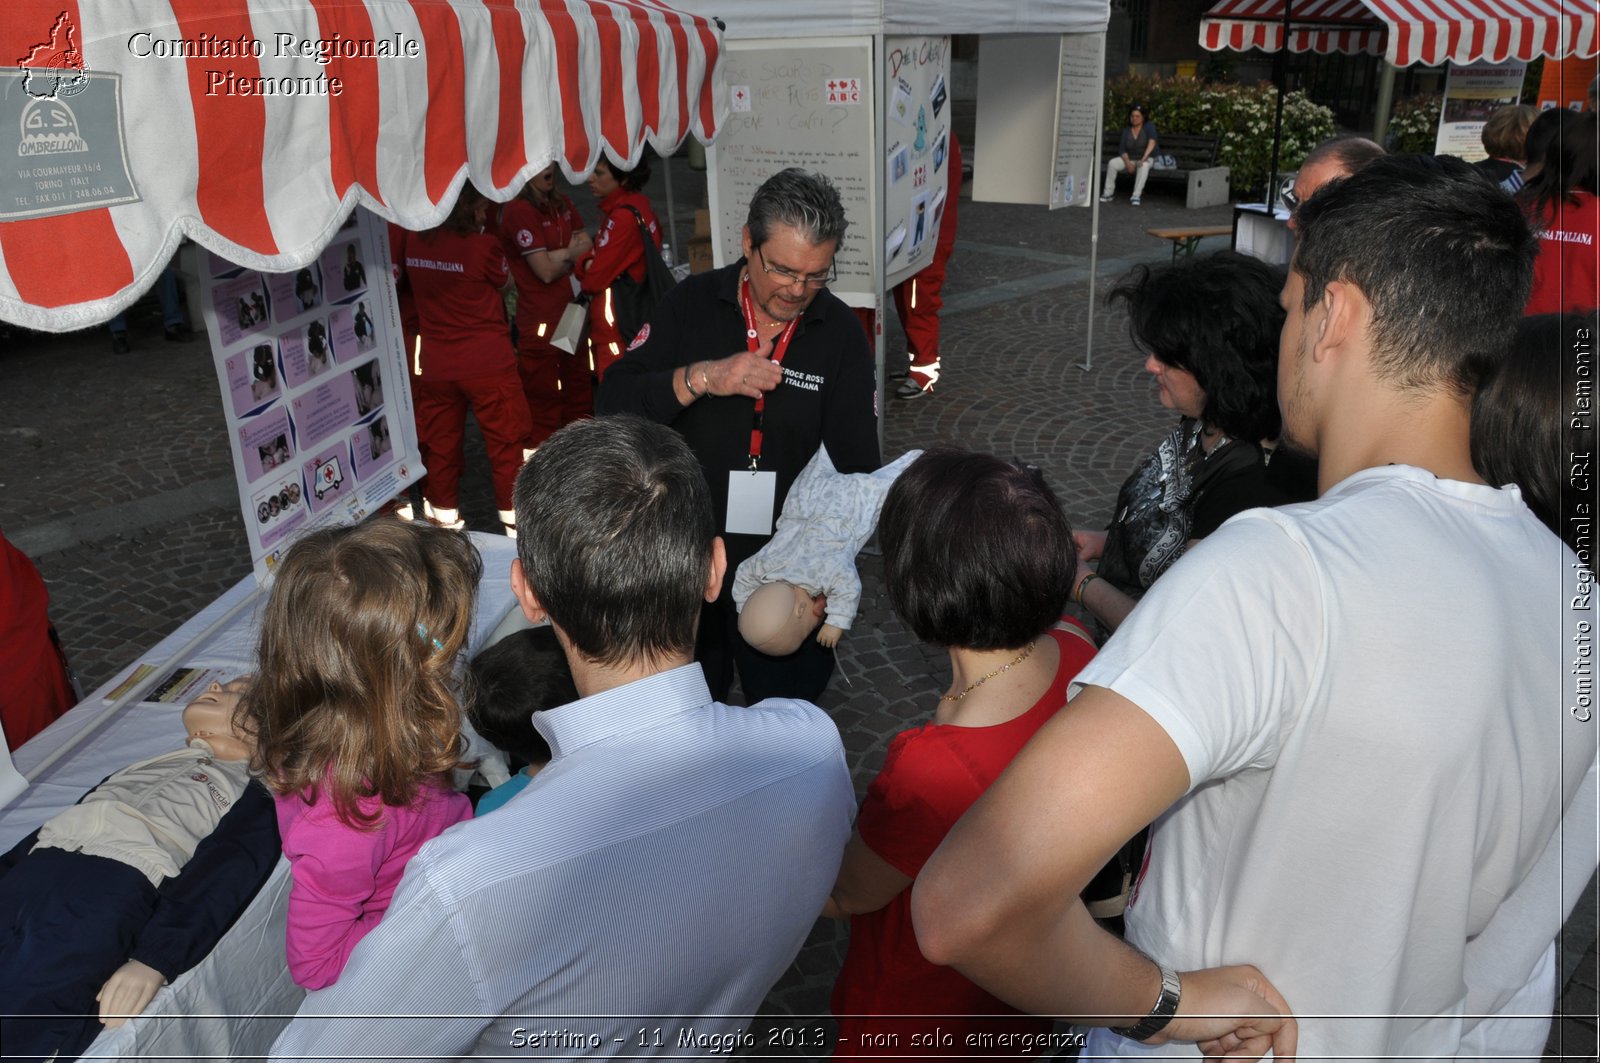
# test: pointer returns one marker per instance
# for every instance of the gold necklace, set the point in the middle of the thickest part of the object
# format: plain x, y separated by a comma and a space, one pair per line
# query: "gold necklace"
1018, 659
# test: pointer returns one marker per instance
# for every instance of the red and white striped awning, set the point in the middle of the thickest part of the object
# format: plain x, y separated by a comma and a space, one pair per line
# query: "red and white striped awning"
255, 126
1409, 31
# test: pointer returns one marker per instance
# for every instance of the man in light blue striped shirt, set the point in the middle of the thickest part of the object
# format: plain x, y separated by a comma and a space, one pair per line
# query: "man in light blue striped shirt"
648, 887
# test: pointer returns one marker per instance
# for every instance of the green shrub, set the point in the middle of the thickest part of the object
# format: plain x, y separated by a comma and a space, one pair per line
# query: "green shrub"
1240, 116
1414, 125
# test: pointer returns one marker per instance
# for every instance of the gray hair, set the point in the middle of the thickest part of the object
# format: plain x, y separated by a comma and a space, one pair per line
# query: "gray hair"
805, 201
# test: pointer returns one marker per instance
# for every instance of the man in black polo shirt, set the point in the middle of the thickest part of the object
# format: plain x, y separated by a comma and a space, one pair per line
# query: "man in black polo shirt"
756, 364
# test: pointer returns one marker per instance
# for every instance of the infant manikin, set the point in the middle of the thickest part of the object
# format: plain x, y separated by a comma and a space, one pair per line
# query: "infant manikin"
133, 885
807, 571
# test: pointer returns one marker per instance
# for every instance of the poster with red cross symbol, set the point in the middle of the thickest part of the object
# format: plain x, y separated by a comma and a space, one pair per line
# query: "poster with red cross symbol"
844, 90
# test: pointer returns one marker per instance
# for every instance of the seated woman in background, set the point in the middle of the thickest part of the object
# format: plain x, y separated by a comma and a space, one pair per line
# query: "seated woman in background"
1522, 431
1135, 154
1209, 327
978, 558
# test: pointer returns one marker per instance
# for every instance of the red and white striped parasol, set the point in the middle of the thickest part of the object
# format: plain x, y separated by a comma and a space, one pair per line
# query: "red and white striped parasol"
254, 126
1409, 31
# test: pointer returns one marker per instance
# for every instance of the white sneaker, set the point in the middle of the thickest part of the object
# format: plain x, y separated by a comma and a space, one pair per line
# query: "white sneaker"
1134, 201
1108, 197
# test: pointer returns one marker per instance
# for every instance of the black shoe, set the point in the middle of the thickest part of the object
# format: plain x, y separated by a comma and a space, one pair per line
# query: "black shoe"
911, 390
179, 334
119, 343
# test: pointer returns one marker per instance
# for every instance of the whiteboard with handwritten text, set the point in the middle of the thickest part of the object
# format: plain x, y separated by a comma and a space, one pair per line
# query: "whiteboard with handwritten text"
810, 103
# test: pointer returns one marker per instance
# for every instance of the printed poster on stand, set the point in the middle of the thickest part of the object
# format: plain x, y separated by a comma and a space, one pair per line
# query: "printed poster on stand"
916, 159
1078, 104
1471, 94
312, 369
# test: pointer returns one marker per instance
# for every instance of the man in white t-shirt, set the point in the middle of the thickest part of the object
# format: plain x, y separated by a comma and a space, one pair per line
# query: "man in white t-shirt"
1346, 718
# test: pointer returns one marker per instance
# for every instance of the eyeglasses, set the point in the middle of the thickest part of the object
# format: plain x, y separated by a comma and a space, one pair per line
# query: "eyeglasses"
790, 278
1290, 200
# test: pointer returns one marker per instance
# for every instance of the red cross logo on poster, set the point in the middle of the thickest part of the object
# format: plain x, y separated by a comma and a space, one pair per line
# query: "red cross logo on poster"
844, 90
741, 97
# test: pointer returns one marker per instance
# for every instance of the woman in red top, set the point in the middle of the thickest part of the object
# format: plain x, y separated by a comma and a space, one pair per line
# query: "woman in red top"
1563, 207
464, 357
978, 558
618, 251
543, 237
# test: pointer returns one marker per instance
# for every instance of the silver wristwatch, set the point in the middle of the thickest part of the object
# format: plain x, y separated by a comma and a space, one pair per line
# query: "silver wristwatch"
1166, 1007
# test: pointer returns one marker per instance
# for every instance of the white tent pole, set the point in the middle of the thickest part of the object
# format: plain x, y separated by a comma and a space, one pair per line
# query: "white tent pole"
672, 212
880, 222
1095, 176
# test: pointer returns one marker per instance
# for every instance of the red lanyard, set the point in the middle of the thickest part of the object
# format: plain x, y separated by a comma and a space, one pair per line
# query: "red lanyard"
780, 347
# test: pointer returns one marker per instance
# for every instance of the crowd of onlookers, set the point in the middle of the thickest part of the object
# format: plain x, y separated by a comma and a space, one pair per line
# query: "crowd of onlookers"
1280, 749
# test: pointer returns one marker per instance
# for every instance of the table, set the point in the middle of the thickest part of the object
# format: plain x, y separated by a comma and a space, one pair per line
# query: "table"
234, 1002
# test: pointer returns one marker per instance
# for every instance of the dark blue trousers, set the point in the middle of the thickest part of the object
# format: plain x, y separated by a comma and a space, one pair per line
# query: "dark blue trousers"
67, 922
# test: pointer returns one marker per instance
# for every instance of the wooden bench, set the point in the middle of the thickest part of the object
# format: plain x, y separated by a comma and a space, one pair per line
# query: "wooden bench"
1205, 183
1186, 240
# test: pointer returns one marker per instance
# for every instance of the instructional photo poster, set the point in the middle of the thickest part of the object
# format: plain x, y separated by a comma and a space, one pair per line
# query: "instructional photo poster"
313, 376
1471, 94
916, 152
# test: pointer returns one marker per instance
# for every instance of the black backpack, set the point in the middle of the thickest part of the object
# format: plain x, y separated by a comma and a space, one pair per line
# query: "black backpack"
632, 304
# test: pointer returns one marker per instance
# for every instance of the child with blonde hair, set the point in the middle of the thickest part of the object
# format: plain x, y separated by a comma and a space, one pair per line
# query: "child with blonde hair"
356, 720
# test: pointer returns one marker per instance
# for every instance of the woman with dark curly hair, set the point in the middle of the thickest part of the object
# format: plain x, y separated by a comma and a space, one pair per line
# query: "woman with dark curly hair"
1209, 327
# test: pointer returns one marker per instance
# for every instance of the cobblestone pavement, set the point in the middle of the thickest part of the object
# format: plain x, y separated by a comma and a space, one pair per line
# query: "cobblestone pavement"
115, 474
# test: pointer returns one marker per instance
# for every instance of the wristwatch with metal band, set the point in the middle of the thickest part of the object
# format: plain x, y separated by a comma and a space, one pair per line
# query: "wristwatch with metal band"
1166, 1007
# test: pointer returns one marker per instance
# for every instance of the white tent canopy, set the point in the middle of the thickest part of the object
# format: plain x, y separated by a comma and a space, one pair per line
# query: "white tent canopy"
748, 19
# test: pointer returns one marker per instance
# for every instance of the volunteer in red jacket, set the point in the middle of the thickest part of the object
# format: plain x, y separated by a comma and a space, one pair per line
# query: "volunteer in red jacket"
456, 272
1563, 205
618, 250
543, 238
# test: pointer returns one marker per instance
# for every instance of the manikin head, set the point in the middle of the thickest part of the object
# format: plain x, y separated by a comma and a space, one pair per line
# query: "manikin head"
777, 618
208, 720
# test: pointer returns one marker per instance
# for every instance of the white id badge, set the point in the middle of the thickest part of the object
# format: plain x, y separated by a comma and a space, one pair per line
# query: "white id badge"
750, 499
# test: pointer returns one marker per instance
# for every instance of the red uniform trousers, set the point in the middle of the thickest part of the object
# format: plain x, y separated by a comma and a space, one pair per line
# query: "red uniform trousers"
558, 386
497, 401
605, 338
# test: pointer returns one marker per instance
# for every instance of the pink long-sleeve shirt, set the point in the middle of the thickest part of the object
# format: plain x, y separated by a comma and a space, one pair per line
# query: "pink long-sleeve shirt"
343, 877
